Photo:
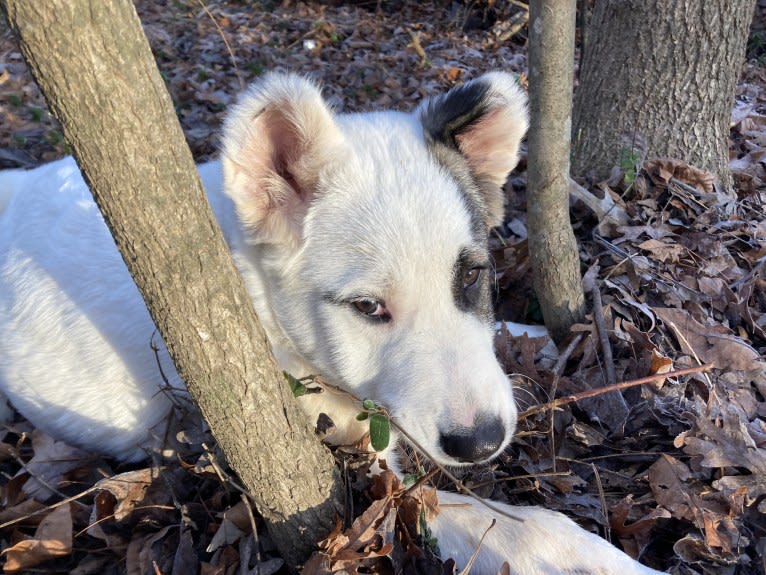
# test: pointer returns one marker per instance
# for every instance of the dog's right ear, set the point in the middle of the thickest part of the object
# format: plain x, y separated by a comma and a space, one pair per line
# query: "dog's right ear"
483, 121
276, 141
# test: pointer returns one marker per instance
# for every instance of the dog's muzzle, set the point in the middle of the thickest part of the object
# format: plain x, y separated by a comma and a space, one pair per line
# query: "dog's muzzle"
474, 444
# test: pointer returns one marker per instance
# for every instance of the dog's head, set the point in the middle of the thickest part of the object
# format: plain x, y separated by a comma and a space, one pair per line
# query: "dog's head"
373, 230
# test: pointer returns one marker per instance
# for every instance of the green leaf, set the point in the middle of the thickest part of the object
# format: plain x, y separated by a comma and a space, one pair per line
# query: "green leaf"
362, 416
296, 386
369, 404
412, 478
380, 431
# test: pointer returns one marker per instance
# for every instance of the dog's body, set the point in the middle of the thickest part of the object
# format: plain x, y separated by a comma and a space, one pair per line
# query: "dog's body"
362, 241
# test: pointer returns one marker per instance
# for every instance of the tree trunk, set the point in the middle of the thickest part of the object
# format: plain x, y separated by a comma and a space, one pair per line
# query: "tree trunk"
658, 80
552, 245
94, 66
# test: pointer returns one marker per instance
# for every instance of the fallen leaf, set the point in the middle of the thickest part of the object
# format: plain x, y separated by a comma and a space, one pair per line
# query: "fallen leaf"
53, 538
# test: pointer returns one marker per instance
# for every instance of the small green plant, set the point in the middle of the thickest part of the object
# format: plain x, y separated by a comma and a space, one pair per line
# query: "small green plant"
425, 532
371, 91
380, 426
37, 114
756, 46
255, 67
15, 100
54, 137
411, 479
374, 412
19, 140
629, 162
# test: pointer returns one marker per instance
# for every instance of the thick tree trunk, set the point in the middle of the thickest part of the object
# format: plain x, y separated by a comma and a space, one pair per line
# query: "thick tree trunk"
552, 245
658, 80
94, 66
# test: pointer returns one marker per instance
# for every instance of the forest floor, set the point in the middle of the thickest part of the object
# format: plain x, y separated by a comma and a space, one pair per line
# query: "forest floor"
673, 471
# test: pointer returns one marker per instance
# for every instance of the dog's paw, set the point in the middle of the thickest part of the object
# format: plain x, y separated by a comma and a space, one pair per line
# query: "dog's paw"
541, 542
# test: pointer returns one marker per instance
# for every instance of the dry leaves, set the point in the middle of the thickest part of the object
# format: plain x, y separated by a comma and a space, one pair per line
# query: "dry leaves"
674, 472
394, 518
52, 538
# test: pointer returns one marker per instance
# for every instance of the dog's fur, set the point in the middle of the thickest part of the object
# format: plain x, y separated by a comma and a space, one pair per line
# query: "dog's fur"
362, 240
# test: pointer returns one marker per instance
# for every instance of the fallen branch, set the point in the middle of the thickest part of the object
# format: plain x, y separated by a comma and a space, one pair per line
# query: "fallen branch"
588, 393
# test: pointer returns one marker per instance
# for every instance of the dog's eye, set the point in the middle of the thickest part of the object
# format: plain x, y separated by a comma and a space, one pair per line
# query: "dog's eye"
371, 308
470, 277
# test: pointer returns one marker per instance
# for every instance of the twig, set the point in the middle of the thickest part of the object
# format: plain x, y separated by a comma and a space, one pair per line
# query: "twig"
517, 23
246, 500
421, 480
39, 478
106, 518
415, 44
616, 387
558, 369
682, 338
226, 43
561, 362
475, 554
602, 499
47, 508
603, 335
459, 484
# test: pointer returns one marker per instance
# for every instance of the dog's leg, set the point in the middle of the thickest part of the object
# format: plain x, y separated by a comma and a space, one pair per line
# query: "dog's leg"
544, 543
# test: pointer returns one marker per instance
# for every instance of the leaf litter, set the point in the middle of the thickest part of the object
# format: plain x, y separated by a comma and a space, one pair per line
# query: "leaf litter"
673, 471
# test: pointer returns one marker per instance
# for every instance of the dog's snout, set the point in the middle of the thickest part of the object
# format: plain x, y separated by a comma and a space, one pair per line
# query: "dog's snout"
474, 444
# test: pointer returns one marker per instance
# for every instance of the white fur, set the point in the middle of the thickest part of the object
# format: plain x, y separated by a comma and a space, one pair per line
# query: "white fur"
334, 208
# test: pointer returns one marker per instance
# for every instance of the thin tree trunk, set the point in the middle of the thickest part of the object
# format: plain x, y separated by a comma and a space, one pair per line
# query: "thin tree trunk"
552, 245
94, 66
658, 80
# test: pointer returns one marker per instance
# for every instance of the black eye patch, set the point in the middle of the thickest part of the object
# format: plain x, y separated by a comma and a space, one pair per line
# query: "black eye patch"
470, 284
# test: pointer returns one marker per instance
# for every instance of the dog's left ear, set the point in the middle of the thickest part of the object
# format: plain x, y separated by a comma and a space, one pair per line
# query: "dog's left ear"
484, 121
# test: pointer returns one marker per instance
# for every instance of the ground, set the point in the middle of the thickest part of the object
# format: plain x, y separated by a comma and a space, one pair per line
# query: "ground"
673, 471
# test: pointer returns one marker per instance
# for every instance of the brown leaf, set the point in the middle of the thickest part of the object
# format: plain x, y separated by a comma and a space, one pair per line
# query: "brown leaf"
128, 490
665, 169
712, 344
663, 251
619, 517
141, 553
53, 538
52, 459
725, 441
668, 479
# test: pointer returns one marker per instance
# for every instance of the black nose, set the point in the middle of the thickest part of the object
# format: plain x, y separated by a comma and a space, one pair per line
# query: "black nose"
474, 444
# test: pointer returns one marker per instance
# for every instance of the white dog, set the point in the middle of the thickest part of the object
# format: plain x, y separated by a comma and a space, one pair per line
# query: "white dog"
362, 240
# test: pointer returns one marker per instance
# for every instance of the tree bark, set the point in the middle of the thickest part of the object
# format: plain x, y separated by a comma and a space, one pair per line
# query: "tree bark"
658, 80
94, 66
552, 245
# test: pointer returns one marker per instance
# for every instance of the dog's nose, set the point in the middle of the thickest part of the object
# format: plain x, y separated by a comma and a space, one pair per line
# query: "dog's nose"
474, 444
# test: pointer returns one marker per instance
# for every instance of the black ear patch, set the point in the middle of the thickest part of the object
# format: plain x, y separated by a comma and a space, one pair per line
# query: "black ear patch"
474, 132
446, 116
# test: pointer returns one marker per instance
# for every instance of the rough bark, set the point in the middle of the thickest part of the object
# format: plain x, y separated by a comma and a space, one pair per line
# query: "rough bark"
94, 66
658, 80
552, 245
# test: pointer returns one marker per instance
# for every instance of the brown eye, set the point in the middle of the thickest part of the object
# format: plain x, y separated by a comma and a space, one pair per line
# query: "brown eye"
368, 307
470, 277
372, 308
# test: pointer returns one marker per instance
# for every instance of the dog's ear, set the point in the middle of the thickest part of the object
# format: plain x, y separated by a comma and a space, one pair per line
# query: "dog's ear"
276, 141
484, 121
